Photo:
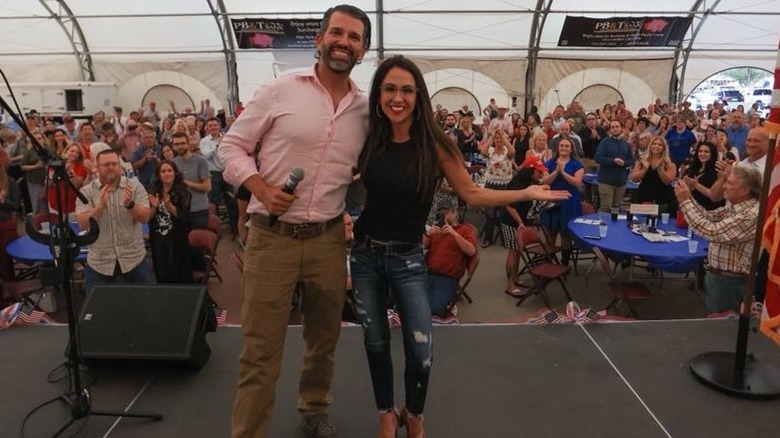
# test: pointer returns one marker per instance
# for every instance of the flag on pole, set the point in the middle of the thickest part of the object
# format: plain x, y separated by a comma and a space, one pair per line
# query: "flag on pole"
770, 316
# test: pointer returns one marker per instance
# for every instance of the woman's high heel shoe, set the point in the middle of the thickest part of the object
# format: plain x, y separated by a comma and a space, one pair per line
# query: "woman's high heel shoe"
413, 423
389, 423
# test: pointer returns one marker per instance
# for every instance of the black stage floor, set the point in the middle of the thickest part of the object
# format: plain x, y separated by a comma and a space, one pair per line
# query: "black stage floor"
599, 380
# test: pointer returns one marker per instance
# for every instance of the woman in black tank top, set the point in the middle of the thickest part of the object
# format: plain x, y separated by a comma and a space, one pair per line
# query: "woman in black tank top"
405, 155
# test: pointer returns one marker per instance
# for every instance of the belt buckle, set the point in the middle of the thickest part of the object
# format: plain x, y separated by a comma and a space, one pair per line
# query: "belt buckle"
299, 231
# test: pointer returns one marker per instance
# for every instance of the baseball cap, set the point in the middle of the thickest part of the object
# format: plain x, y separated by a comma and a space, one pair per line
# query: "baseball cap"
534, 163
446, 205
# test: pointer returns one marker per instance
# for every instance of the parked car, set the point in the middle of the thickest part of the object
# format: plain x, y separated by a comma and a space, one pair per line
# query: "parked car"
730, 98
762, 96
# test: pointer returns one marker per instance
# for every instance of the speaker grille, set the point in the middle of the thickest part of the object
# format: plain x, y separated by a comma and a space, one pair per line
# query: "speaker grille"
141, 321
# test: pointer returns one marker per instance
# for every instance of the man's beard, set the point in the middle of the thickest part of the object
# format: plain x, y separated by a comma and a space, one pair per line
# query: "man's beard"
338, 65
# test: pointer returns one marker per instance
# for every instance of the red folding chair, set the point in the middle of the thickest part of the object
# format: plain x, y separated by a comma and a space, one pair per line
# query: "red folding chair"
206, 241
543, 270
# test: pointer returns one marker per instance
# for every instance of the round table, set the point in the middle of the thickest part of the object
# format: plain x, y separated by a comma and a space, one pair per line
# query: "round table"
622, 243
26, 250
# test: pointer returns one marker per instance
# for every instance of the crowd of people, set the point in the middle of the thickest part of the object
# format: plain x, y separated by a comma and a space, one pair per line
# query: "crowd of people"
660, 148
136, 169
408, 245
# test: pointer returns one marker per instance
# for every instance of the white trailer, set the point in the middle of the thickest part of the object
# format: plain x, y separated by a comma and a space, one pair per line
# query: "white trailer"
80, 99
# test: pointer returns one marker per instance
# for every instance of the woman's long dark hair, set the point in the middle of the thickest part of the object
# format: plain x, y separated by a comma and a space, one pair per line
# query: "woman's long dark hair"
178, 189
696, 164
425, 133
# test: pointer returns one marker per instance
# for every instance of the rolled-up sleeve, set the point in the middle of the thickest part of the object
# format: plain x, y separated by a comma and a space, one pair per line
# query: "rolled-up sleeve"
239, 142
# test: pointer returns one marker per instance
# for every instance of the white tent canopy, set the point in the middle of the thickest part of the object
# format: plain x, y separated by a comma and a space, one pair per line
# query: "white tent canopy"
484, 47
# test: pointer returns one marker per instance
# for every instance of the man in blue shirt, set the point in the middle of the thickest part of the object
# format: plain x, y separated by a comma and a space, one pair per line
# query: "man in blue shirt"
738, 132
613, 156
145, 158
680, 140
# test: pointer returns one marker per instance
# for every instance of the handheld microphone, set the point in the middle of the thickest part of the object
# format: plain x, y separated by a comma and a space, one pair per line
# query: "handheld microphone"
296, 176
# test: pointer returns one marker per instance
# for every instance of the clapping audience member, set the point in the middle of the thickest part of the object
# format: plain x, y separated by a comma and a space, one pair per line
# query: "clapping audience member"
499, 154
613, 156
120, 206
77, 173
564, 172
730, 231
169, 226
701, 175
522, 144
654, 173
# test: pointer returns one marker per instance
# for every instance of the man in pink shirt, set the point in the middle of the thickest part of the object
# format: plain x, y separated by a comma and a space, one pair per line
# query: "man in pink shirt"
306, 243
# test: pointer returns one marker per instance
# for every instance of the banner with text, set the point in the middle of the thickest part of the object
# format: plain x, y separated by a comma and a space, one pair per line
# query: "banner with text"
624, 31
277, 33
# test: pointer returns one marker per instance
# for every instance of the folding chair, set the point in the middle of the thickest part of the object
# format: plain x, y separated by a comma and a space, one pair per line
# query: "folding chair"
464, 283
21, 290
214, 225
543, 270
206, 241
623, 292
577, 252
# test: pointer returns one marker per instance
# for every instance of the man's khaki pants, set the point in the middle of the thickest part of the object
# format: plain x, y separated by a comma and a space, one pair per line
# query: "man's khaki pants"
610, 196
272, 266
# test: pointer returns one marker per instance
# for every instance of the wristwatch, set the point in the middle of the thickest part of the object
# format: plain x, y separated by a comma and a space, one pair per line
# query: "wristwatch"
130, 205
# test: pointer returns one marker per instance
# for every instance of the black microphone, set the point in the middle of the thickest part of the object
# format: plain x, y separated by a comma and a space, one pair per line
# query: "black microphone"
296, 176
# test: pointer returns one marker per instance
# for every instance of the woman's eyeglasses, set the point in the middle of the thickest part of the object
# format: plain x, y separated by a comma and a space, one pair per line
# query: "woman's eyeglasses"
406, 90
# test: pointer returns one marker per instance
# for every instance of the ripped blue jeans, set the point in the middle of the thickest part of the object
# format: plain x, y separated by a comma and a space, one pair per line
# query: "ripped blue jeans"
375, 275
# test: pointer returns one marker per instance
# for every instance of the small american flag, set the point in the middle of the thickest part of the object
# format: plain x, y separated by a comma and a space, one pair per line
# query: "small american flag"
450, 320
548, 316
8, 315
583, 316
31, 317
221, 315
393, 318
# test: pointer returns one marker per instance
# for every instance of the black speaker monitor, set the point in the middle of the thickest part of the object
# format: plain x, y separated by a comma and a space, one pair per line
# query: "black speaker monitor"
146, 323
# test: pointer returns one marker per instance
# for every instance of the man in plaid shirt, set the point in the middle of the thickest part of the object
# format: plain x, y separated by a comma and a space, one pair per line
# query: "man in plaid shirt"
730, 231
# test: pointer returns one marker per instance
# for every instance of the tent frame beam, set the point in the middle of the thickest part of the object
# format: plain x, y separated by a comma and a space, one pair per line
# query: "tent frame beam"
70, 25
225, 28
686, 53
537, 26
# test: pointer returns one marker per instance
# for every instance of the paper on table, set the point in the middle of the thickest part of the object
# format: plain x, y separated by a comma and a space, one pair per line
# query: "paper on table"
676, 238
655, 237
582, 220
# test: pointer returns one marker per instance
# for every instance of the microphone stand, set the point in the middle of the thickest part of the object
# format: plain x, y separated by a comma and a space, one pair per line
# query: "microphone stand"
65, 246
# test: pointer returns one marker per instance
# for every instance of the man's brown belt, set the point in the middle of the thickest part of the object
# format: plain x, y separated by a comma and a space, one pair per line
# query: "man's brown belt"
298, 231
726, 273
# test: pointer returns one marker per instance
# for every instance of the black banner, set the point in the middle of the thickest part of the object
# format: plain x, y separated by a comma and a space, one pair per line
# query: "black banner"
624, 31
278, 33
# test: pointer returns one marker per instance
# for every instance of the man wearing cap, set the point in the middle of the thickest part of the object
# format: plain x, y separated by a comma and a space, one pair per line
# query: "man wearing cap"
730, 231
450, 246
502, 122
128, 143
69, 126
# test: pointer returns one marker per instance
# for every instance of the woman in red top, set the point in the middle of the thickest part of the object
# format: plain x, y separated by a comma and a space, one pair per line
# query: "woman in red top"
77, 173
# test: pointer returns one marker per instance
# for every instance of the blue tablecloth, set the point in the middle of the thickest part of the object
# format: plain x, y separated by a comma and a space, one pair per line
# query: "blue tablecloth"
26, 250
621, 243
591, 179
